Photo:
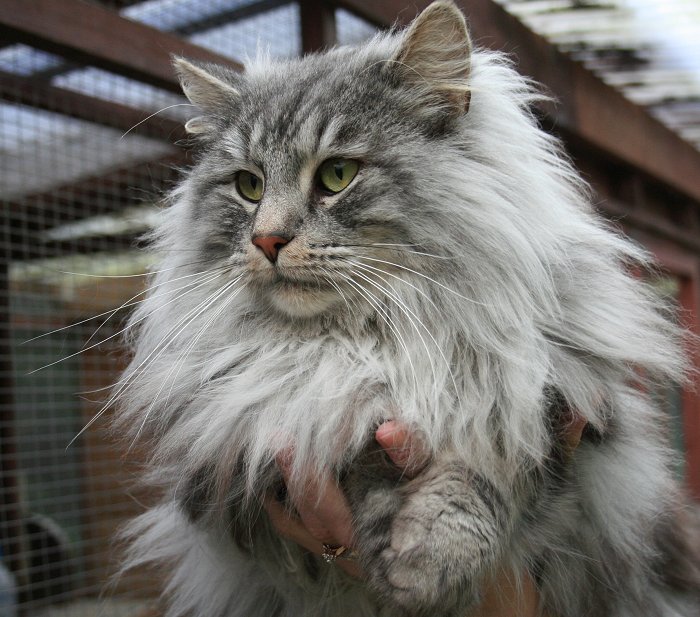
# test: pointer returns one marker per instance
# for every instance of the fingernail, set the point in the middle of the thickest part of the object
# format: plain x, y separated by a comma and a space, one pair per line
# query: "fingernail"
400, 456
389, 434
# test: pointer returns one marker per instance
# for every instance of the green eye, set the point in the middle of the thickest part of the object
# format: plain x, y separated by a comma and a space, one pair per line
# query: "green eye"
336, 174
249, 185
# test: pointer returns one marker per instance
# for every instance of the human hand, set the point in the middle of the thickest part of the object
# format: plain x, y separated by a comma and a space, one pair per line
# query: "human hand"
325, 517
324, 514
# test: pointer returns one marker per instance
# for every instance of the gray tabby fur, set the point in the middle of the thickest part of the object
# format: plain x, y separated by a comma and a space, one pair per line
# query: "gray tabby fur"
461, 284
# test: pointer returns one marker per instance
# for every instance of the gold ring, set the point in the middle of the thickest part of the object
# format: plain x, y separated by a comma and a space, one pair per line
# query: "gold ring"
331, 552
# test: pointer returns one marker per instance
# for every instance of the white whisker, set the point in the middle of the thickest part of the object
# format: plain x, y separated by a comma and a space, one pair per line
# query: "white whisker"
155, 114
190, 347
335, 285
41, 368
165, 341
411, 316
134, 374
380, 272
382, 311
127, 304
408, 314
425, 276
399, 247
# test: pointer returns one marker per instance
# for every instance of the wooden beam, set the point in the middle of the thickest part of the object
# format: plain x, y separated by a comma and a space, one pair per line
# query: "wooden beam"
118, 4
225, 17
27, 248
92, 35
586, 106
41, 95
656, 226
229, 15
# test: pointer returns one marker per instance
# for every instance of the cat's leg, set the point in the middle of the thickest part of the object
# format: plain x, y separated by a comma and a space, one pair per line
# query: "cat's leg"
427, 543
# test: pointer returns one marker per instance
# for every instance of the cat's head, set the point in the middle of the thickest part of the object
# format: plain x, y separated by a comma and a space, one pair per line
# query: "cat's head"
321, 178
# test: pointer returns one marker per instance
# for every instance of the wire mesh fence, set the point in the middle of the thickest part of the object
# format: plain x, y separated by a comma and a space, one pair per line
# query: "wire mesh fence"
79, 186
75, 195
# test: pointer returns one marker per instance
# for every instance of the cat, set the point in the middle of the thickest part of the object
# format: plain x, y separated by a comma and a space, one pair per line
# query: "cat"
385, 232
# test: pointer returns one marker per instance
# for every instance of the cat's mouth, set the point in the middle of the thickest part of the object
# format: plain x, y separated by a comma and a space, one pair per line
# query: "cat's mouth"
282, 281
298, 294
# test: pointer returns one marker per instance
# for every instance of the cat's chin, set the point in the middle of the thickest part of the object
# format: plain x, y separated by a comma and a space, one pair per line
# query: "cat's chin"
301, 302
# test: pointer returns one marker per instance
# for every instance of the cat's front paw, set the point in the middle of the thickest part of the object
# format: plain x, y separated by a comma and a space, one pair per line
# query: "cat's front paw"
417, 572
434, 550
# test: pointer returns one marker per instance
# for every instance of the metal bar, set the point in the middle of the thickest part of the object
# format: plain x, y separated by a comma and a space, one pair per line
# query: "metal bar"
317, 25
93, 35
29, 91
586, 106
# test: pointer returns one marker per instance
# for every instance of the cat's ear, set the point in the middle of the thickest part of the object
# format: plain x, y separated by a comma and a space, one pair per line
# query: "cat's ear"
210, 88
435, 55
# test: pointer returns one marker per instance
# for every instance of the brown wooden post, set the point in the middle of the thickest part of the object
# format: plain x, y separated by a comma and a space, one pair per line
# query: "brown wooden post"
317, 25
10, 504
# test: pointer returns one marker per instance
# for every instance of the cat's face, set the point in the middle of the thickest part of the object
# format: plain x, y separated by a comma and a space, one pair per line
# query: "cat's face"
314, 172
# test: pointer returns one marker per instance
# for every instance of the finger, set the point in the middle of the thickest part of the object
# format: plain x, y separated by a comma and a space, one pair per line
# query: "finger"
571, 431
506, 596
290, 527
293, 529
321, 504
406, 450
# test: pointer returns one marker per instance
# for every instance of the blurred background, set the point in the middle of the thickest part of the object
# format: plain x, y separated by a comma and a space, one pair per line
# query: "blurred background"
91, 138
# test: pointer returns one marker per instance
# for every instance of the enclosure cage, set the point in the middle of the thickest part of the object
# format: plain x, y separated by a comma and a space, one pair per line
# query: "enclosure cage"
87, 151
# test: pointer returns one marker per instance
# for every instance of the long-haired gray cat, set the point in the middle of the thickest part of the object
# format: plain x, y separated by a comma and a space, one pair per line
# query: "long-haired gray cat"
384, 232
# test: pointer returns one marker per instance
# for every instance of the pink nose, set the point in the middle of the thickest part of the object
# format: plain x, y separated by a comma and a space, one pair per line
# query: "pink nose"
270, 245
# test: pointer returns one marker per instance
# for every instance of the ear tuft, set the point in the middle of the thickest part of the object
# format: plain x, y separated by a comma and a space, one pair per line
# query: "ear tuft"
198, 125
208, 86
436, 53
